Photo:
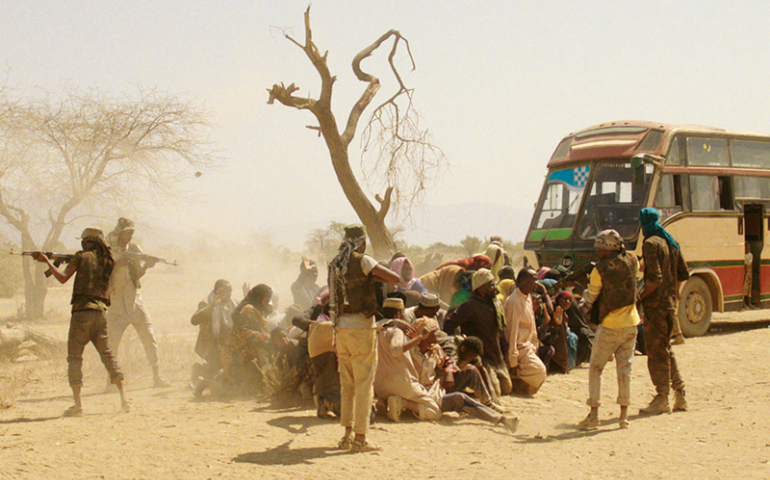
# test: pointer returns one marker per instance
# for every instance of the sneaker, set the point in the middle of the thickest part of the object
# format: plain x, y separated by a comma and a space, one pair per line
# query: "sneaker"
73, 411
511, 423
658, 405
365, 446
680, 402
345, 443
394, 408
588, 423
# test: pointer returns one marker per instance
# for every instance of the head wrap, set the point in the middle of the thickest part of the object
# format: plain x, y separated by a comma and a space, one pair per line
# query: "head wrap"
481, 277
393, 302
429, 300
648, 217
564, 294
397, 265
124, 224
92, 232
355, 236
609, 240
97, 244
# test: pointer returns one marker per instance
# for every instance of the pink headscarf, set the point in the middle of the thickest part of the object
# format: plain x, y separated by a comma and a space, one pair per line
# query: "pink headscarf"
541, 273
397, 265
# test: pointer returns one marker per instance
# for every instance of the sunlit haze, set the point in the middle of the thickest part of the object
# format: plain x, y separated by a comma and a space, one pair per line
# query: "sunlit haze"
497, 83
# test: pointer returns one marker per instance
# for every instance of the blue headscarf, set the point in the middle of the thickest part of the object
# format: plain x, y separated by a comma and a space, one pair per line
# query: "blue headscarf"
648, 217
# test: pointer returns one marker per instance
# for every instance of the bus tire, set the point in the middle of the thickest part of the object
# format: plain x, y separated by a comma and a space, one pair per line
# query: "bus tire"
695, 307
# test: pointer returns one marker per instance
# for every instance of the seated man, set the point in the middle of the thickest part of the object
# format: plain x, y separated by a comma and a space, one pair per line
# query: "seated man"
527, 370
483, 316
398, 380
214, 319
429, 307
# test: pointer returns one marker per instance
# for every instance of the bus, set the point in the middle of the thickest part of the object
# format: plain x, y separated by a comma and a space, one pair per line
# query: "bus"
712, 190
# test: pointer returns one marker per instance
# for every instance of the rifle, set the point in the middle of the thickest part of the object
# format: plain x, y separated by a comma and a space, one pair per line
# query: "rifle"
56, 258
144, 258
579, 276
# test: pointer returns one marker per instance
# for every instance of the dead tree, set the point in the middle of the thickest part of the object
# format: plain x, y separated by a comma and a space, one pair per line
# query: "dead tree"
407, 161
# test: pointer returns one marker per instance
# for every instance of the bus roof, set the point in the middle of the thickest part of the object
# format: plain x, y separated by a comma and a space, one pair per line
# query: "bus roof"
621, 139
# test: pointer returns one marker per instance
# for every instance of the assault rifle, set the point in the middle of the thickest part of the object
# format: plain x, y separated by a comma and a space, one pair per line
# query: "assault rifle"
144, 258
56, 258
579, 276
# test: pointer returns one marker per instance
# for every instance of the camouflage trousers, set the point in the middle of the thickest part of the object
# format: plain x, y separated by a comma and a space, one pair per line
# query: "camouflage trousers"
658, 325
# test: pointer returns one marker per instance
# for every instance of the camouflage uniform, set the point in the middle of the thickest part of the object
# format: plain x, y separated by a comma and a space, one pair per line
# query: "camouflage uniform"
660, 268
90, 299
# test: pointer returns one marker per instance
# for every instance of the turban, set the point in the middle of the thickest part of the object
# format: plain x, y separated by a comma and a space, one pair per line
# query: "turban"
648, 217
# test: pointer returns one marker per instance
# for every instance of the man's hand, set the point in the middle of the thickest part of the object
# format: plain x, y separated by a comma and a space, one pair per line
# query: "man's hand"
40, 257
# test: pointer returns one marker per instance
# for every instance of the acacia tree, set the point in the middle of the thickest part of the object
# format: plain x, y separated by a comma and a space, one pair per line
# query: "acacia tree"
84, 153
406, 161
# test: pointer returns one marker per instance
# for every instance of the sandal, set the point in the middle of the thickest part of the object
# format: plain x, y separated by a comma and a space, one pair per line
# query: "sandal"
345, 443
365, 446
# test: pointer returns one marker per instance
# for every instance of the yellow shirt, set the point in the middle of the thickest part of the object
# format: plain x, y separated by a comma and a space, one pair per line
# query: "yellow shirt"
622, 317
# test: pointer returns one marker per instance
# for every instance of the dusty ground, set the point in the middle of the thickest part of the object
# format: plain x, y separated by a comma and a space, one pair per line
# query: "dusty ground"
169, 435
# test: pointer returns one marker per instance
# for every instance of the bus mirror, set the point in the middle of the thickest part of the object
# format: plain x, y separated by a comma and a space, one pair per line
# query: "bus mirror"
637, 166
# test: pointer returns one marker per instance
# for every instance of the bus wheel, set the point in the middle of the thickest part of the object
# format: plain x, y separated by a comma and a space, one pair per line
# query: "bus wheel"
695, 307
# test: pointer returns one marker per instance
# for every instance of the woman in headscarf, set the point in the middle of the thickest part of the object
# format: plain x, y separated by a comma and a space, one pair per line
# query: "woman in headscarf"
405, 269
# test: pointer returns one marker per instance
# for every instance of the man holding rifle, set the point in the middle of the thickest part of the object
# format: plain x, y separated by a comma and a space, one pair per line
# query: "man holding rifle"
127, 307
92, 267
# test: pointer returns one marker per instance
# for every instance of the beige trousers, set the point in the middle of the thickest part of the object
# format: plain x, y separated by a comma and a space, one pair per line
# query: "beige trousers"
357, 351
608, 341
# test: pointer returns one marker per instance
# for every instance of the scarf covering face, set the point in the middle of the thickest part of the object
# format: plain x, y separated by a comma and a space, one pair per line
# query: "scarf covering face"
397, 265
338, 268
648, 217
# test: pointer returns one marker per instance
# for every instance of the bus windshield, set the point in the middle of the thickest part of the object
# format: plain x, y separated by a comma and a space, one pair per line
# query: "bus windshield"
561, 202
614, 200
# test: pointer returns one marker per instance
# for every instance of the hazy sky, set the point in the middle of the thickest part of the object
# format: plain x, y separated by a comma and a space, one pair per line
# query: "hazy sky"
498, 83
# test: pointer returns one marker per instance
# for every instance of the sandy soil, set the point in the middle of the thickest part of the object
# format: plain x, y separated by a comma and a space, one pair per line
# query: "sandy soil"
169, 435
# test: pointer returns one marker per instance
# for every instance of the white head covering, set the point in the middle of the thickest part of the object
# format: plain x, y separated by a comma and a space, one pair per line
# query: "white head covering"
481, 277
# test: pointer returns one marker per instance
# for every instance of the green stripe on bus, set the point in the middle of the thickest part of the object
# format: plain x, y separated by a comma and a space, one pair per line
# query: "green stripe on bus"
718, 263
553, 234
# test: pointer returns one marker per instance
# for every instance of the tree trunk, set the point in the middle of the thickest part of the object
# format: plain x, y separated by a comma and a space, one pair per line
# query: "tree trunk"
35, 289
383, 245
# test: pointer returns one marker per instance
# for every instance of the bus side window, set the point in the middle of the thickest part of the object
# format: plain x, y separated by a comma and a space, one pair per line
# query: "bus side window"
704, 193
726, 193
669, 198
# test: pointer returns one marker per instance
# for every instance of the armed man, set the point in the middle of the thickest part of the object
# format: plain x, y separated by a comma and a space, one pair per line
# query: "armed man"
92, 267
127, 307
353, 304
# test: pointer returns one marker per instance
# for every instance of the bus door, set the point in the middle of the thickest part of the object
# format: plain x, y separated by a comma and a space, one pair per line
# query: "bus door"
753, 231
